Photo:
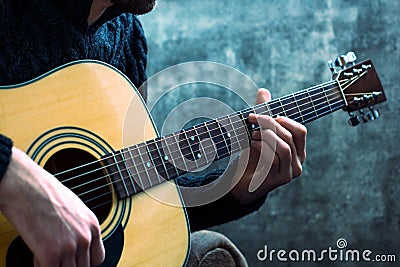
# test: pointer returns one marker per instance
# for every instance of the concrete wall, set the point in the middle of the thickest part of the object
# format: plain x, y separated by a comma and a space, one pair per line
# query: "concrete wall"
349, 188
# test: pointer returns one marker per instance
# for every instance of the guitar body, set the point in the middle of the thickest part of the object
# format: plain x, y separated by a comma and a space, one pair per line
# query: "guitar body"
75, 115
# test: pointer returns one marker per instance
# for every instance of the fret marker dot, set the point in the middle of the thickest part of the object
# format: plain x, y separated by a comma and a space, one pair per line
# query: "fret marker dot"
166, 157
199, 155
253, 126
192, 138
228, 134
148, 164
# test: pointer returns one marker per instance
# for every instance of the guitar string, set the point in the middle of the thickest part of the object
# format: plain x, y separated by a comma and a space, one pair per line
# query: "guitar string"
174, 134
274, 101
154, 167
239, 149
167, 169
292, 95
110, 193
177, 143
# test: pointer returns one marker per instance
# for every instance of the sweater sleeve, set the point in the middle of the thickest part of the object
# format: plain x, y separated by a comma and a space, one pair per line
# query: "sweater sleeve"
222, 210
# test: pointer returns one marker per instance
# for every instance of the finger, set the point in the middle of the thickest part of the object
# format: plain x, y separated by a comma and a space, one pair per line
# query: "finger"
263, 143
97, 251
50, 261
83, 258
257, 145
264, 121
69, 260
299, 133
288, 138
282, 149
263, 95
36, 262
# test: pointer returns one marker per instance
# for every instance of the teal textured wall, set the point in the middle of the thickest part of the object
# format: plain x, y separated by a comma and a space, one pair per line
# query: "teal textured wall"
350, 185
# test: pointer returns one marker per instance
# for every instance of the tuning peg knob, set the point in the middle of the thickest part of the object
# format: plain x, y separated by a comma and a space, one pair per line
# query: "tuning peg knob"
354, 120
373, 114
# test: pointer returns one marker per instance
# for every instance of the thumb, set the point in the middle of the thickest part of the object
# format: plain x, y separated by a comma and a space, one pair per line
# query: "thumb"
263, 95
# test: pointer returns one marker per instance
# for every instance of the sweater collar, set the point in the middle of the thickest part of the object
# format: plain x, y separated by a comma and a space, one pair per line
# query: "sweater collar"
75, 12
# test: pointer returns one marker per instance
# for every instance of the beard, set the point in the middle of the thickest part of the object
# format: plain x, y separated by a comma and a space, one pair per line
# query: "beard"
137, 7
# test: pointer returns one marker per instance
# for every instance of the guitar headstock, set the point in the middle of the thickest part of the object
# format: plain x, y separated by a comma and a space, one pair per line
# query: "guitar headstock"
360, 87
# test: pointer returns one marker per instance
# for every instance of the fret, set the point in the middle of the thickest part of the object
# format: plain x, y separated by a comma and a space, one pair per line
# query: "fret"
233, 124
326, 97
244, 116
177, 154
156, 157
334, 97
240, 128
116, 175
133, 161
289, 107
225, 136
217, 135
282, 106
145, 167
267, 108
186, 149
120, 172
153, 158
124, 160
198, 136
201, 154
190, 146
318, 98
168, 171
298, 108
312, 104
276, 108
206, 143
150, 169
171, 154
305, 105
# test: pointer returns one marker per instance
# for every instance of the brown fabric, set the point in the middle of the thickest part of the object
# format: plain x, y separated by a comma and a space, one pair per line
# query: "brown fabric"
214, 249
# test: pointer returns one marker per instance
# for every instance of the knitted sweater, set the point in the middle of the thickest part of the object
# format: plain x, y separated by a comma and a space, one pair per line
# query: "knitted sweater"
39, 35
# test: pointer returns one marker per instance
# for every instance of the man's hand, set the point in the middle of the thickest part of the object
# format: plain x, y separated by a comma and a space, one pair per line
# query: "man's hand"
275, 157
55, 224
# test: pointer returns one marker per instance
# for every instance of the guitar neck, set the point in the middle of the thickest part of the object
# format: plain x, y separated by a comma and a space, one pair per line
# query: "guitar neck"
148, 164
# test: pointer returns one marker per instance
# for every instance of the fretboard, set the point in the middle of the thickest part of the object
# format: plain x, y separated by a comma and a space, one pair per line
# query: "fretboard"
148, 164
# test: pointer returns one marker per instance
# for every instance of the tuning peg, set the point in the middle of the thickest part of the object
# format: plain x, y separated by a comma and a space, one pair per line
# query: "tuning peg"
342, 62
354, 120
373, 114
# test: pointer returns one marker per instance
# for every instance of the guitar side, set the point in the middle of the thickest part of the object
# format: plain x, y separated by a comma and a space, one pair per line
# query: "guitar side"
81, 107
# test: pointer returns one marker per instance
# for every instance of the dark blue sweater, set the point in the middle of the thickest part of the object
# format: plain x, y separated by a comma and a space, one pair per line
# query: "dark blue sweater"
39, 35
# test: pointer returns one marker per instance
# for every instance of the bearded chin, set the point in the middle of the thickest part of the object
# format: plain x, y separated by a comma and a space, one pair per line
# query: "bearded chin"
137, 7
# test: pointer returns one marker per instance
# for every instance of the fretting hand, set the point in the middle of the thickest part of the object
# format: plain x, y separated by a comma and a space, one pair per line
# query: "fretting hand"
274, 158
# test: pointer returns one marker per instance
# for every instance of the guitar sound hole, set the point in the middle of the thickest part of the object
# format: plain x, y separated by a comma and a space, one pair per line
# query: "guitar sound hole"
85, 176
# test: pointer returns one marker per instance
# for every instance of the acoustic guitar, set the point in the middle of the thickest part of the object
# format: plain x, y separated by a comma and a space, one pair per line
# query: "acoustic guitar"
70, 121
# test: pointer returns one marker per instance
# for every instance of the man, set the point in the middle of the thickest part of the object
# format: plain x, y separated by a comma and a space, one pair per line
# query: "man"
30, 197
